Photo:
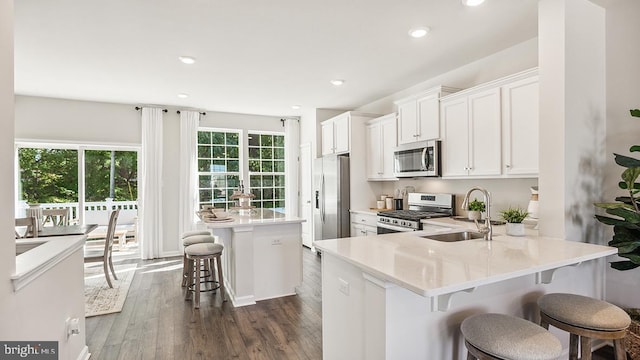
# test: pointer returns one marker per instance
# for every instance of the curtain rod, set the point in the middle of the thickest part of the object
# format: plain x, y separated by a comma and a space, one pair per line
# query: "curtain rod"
138, 108
201, 113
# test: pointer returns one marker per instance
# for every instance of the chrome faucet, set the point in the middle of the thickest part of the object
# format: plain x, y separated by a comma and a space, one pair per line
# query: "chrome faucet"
485, 229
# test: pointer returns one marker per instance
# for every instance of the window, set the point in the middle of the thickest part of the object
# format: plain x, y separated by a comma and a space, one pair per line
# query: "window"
266, 170
218, 167
48, 175
222, 163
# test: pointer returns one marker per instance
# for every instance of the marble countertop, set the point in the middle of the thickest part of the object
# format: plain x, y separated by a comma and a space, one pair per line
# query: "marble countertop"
431, 268
257, 217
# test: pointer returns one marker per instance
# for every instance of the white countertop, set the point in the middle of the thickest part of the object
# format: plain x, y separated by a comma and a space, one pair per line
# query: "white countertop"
365, 212
431, 268
258, 217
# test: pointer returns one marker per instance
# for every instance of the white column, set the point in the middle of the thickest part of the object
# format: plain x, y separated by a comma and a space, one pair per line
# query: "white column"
572, 117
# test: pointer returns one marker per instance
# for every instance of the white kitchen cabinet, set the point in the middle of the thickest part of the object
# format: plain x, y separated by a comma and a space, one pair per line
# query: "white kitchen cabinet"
336, 134
364, 224
381, 139
471, 129
520, 121
419, 115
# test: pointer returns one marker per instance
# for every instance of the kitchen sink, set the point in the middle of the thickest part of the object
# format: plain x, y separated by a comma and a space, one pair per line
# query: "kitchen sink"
452, 237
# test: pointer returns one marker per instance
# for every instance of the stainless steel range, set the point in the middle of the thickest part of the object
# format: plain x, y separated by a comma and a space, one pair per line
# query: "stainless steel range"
421, 206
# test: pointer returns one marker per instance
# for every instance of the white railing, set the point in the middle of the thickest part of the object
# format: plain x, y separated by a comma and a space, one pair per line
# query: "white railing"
95, 212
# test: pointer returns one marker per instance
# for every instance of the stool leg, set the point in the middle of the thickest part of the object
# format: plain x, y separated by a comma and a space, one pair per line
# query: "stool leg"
573, 347
197, 290
471, 357
185, 268
585, 348
189, 278
544, 324
618, 348
218, 258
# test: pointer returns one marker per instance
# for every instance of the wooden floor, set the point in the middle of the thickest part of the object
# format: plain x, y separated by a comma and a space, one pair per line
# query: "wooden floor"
157, 323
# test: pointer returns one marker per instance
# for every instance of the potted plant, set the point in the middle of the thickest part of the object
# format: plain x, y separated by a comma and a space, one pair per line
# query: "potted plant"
626, 231
475, 209
514, 218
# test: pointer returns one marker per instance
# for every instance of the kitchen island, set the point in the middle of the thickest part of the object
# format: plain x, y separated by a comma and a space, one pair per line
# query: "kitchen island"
262, 256
403, 296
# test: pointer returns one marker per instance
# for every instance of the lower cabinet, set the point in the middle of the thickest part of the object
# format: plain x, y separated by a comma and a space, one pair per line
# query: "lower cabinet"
363, 224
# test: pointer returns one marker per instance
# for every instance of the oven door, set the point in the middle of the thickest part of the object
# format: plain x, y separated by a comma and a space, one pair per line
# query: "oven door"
389, 229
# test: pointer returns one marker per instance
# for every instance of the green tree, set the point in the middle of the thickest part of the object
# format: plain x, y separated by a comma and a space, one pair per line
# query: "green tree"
48, 175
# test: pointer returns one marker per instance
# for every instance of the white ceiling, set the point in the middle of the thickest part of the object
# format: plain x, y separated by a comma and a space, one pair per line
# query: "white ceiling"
253, 56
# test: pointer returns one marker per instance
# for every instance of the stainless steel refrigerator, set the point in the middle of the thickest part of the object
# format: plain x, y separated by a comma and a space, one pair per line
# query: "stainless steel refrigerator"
331, 197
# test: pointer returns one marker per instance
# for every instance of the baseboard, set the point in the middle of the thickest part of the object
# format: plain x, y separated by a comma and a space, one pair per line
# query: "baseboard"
84, 354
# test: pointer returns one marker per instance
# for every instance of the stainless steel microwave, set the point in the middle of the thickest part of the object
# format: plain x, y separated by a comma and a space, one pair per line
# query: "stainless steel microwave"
417, 159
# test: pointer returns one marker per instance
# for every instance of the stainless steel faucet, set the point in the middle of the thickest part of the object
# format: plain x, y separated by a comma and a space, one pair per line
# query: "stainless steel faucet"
485, 229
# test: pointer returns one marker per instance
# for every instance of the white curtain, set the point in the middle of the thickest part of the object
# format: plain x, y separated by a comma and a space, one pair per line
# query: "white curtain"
151, 183
188, 169
291, 155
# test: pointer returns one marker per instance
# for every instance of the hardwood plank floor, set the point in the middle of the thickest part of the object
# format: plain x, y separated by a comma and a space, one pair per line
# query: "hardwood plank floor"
157, 323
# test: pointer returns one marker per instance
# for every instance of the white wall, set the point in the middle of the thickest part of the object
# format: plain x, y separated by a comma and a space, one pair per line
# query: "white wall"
505, 193
76, 121
623, 93
38, 311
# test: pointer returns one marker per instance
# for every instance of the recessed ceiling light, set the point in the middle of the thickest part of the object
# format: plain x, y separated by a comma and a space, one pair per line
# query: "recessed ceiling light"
337, 82
295, 107
187, 59
183, 95
419, 32
472, 2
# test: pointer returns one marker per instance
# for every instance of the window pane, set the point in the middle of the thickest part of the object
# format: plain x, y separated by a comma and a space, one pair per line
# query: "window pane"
218, 166
254, 153
254, 140
266, 153
278, 140
218, 138
205, 195
232, 139
233, 166
267, 181
232, 152
205, 181
204, 152
267, 204
48, 175
266, 140
218, 152
257, 193
254, 165
267, 194
204, 137
100, 165
278, 166
279, 193
279, 180
233, 181
267, 166
255, 181
278, 154
204, 165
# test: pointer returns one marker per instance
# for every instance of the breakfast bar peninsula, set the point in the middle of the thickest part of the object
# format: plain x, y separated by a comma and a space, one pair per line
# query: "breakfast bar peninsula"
404, 295
262, 255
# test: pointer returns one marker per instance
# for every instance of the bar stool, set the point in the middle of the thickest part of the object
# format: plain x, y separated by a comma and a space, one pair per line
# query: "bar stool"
505, 337
196, 254
190, 238
585, 318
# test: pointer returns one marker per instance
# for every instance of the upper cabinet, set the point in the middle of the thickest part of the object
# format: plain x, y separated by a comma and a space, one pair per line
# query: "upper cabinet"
336, 134
520, 126
419, 115
380, 140
491, 130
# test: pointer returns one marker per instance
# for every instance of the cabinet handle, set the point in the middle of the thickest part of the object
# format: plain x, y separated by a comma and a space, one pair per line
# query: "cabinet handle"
363, 220
508, 166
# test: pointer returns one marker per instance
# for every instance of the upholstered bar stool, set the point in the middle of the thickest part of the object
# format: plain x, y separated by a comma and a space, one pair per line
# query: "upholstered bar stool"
190, 238
196, 254
504, 337
585, 318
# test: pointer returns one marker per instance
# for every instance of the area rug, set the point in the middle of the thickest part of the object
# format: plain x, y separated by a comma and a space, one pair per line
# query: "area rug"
99, 298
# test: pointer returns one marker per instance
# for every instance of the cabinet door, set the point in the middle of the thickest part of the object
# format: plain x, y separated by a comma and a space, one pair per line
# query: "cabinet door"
370, 231
455, 146
407, 122
374, 151
520, 127
327, 138
429, 117
358, 230
341, 130
485, 151
389, 137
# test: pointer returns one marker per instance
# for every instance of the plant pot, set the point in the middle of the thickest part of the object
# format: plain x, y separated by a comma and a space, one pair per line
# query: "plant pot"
474, 215
632, 340
515, 229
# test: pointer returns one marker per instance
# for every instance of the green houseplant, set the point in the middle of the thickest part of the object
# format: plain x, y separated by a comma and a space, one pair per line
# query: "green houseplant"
626, 231
475, 208
514, 218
